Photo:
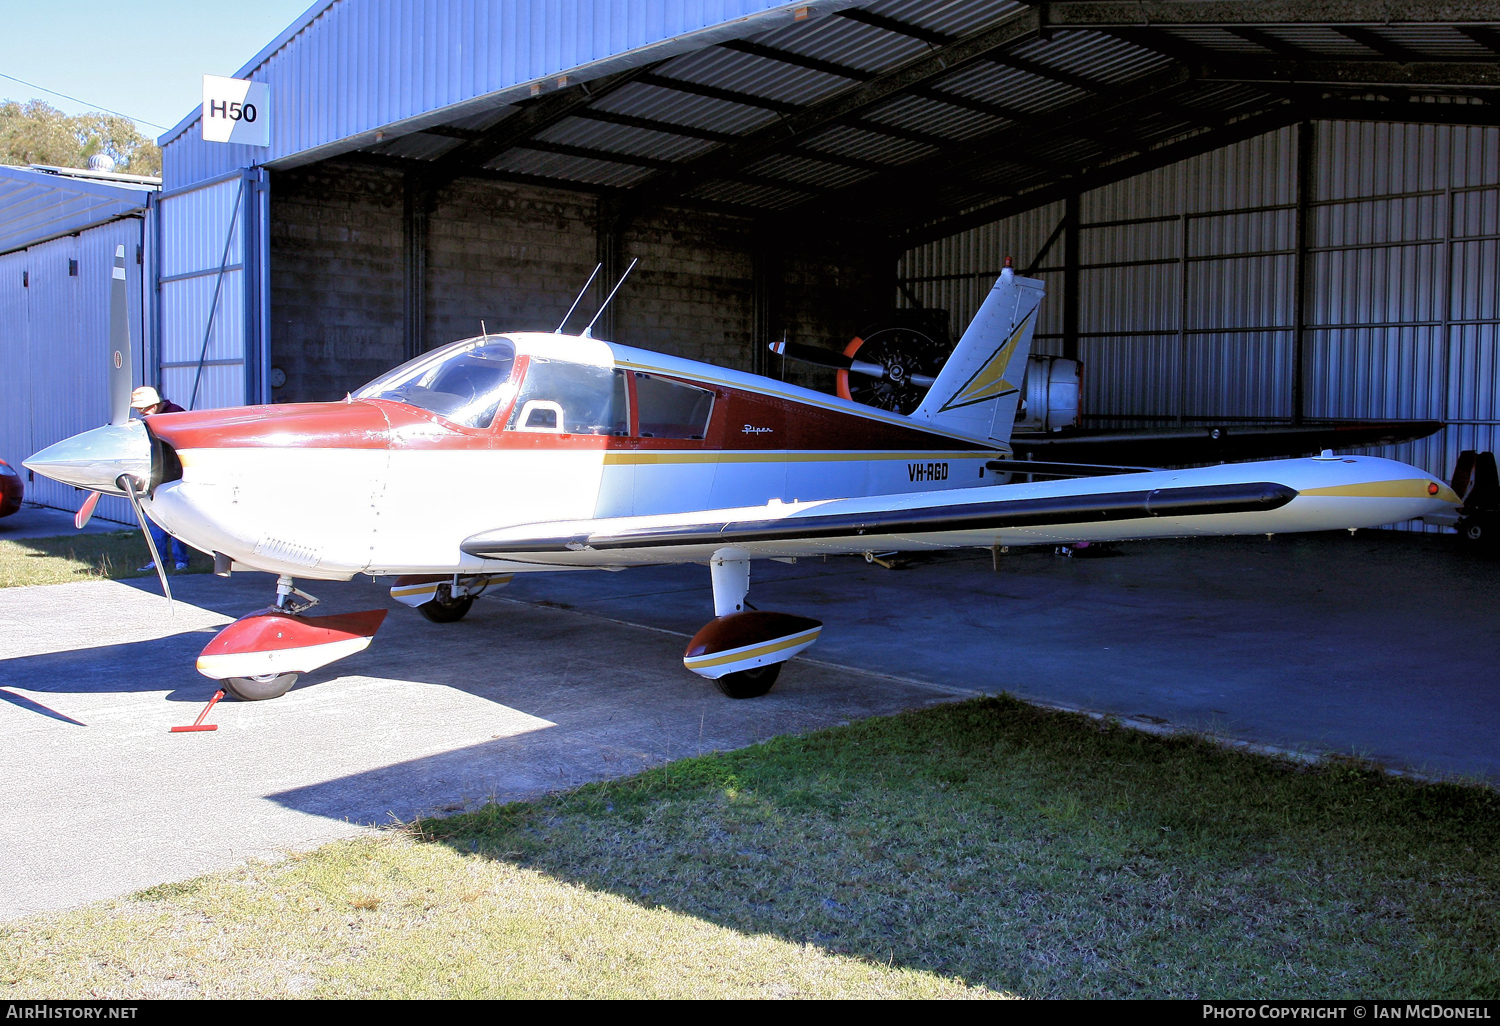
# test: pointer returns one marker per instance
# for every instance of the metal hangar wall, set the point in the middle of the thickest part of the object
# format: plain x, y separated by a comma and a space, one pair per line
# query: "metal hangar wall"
1244, 210
59, 229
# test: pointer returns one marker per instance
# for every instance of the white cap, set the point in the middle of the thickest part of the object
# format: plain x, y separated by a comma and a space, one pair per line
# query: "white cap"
144, 398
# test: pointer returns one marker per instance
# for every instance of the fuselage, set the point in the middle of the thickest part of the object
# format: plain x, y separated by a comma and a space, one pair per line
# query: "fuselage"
578, 428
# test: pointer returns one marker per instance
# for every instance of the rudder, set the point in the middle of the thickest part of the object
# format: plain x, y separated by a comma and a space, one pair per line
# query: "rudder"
979, 386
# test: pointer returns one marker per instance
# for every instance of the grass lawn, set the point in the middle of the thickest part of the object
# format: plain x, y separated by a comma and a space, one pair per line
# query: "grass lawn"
987, 847
81, 557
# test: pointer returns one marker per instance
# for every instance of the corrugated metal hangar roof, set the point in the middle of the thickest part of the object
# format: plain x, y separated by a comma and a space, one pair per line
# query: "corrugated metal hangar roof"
38, 203
912, 119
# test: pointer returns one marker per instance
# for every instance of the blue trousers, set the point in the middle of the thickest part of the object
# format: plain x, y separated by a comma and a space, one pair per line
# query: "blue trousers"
178, 552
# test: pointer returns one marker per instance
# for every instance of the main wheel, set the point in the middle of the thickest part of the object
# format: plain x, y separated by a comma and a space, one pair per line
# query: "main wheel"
749, 683
1477, 530
260, 687
444, 608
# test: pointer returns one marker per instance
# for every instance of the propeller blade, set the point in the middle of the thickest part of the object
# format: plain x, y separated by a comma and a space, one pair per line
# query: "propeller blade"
128, 484
812, 354
86, 511
838, 361
121, 373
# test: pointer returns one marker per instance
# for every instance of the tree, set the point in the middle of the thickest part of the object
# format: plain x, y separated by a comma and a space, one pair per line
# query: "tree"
36, 132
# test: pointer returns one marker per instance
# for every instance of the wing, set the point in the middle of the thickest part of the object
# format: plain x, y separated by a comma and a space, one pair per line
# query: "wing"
972, 516
1179, 446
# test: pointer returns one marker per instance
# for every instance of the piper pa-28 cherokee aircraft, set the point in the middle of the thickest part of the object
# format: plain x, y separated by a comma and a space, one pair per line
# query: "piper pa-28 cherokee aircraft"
527, 452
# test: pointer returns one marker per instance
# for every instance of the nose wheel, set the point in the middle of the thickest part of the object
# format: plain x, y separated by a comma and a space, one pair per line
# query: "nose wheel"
260, 687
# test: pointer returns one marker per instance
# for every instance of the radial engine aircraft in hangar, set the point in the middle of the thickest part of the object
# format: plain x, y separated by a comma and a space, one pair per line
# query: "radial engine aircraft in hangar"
529, 452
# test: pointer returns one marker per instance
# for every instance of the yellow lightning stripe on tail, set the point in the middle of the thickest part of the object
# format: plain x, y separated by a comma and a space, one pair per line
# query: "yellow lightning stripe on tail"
988, 382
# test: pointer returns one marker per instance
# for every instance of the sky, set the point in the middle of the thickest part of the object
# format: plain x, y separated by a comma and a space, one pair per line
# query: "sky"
142, 58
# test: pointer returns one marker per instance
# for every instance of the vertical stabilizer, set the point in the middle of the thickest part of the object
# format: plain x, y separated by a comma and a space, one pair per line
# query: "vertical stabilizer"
977, 390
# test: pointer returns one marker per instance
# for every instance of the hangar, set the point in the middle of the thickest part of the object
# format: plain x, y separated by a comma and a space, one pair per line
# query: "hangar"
1246, 211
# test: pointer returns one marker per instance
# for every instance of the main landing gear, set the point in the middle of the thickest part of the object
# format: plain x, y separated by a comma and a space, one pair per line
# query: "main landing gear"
742, 650
444, 598
260, 656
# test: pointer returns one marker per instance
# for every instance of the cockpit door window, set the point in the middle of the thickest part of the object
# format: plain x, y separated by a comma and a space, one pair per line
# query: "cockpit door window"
572, 398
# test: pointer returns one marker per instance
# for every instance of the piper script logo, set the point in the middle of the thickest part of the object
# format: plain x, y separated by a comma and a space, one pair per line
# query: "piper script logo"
988, 382
236, 110
751, 429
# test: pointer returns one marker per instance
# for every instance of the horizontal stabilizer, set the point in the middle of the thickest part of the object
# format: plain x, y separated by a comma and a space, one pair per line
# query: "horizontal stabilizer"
1208, 444
1041, 468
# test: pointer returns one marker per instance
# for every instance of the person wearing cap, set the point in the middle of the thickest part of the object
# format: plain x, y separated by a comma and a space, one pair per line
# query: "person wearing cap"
148, 402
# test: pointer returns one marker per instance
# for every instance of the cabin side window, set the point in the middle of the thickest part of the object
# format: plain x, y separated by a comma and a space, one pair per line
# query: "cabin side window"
670, 409
570, 398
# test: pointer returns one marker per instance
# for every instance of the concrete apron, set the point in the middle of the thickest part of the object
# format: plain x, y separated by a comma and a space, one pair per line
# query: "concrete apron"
1381, 645
515, 701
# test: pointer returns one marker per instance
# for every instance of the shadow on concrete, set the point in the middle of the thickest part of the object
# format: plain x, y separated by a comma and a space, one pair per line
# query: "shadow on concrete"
22, 702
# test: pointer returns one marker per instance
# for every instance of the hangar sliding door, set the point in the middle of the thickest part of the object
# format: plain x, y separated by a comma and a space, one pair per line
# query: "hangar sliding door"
213, 295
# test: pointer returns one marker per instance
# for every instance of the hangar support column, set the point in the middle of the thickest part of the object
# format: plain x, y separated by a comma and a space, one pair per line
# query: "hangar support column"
1070, 276
416, 209
1303, 228
609, 247
766, 292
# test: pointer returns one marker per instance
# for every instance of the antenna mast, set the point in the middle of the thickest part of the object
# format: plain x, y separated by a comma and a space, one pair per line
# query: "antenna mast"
564, 321
607, 299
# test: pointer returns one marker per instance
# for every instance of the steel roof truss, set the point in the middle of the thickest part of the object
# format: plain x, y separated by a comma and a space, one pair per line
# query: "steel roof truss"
771, 53
537, 116
1140, 13
652, 125
844, 104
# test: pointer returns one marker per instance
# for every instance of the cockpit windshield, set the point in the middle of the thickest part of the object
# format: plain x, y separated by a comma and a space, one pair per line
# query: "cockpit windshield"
465, 382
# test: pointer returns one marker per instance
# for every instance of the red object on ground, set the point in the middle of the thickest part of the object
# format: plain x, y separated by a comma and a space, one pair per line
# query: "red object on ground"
12, 490
198, 724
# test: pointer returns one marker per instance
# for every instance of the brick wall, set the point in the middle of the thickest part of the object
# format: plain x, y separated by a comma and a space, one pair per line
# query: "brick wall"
691, 295
336, 279
511, 255
514, 256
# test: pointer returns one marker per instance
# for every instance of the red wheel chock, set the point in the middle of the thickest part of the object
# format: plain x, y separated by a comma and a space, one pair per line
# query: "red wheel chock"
198, 724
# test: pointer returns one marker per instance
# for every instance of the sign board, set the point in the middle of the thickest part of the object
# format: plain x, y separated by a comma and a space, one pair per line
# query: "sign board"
236, 110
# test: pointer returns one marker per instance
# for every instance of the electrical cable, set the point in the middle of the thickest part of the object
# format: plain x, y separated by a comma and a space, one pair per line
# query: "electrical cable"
95, 106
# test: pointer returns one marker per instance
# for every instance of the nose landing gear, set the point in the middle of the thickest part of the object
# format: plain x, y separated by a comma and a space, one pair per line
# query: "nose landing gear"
260, 656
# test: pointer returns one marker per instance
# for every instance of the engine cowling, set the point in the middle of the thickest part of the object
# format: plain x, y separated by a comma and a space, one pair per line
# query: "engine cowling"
1051, 394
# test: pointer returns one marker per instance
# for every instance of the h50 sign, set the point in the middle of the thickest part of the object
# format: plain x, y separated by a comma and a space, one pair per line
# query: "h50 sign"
236, 110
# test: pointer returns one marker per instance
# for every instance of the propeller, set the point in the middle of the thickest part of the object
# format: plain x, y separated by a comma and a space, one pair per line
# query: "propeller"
86, 511
121, 373
121, 370
121, 383
128, 483
899, 365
